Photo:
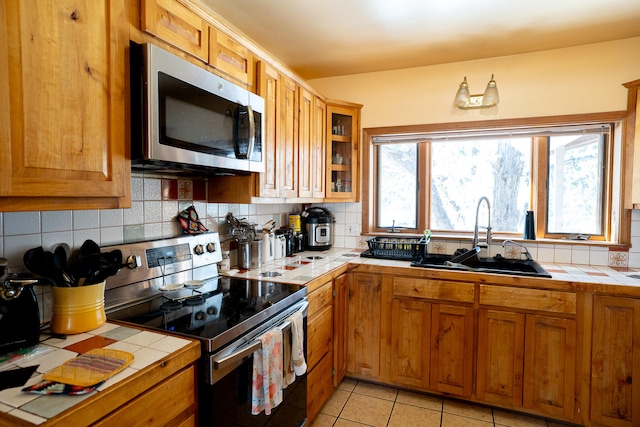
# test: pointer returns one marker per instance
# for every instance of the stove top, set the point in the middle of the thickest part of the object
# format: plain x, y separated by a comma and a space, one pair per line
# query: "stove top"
177, 288
218, 312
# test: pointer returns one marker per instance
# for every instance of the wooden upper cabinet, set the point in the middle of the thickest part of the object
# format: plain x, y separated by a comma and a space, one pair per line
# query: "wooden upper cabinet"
318, 147
174, 23
632, 144
62, 105
343, 151
268, 184
288, 137
615, 388
311, 145
231, 57
305, 104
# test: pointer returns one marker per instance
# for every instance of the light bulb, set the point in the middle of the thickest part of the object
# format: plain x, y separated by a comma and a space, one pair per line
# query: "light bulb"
491, 97
462, 96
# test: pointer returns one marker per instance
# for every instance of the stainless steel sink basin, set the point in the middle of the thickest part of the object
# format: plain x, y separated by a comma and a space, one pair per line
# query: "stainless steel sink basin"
496, 265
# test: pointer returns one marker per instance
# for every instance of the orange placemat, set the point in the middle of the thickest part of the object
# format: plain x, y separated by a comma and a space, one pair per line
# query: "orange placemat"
91, 367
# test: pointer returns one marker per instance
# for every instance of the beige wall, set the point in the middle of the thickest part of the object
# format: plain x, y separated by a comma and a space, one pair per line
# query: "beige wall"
583, 79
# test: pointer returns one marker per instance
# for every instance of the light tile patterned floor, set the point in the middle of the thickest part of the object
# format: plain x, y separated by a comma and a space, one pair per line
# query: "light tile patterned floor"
358, 404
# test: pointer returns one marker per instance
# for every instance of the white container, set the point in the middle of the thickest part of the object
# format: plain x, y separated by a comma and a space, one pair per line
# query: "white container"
225, 264
280, 247
268, 247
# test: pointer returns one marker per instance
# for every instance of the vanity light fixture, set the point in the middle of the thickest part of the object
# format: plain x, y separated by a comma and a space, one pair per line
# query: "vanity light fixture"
465, 101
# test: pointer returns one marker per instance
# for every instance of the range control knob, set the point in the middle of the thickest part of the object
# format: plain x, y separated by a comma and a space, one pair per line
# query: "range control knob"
212, 311
134, 261
211, 247
200, 315
199, 250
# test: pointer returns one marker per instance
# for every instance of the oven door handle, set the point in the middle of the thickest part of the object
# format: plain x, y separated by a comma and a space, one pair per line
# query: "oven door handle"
223, 360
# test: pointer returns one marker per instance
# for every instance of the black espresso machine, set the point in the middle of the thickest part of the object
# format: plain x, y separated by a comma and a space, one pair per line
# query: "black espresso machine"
19, 314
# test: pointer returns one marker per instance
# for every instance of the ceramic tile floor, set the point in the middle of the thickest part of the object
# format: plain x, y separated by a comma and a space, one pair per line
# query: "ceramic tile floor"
358, 404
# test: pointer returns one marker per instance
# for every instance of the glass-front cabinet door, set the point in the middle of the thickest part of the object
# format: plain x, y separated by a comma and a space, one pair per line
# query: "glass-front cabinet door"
343, 151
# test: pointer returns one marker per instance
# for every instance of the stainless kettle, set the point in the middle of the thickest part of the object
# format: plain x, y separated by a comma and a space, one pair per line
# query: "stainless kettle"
19, 314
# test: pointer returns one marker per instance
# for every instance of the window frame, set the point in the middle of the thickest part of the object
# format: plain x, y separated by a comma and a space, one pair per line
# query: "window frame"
619, 234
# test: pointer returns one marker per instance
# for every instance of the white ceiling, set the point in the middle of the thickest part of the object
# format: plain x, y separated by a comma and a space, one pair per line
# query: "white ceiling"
323, 38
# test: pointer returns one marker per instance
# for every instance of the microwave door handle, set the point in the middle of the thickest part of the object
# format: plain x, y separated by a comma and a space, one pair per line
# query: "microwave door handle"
252, 131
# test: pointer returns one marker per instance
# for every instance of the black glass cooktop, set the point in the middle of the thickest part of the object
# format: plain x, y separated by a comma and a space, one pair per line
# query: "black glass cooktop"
219, 311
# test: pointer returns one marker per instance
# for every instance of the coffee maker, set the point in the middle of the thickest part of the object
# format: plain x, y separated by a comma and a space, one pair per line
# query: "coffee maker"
19, 314
318, 228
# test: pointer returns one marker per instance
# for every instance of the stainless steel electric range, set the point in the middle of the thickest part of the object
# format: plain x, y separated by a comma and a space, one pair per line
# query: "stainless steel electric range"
173, 285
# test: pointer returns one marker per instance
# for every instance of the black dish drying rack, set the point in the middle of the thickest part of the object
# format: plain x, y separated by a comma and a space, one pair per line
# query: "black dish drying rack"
396, 248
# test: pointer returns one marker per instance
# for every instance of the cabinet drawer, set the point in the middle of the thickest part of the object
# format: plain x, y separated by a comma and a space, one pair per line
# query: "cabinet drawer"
158, 406
174, 23
319, 335
529, 299
319, 386
229, 56
320, 298
433, 289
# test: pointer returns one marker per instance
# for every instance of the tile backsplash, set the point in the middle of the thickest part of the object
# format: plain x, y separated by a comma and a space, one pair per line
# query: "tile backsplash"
156, 202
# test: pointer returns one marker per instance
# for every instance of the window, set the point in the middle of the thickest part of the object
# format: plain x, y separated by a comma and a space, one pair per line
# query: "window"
575, 195
565, 174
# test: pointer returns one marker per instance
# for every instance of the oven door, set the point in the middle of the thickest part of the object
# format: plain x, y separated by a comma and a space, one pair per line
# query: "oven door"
225, 394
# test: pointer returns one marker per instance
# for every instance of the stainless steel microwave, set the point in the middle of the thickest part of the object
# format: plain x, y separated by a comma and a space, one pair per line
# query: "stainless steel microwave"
186, 119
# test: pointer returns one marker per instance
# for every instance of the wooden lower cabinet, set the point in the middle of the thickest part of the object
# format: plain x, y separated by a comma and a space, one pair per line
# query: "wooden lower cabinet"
452, 349
364, 326
319, 386
550, 365
340, 313
527, 361
409, 361
160, 406
326, 337
566, 355
500, 361
615, 359
319, 348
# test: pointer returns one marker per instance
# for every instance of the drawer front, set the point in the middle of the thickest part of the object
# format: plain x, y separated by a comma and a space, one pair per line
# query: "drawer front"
319, 336
320, 298
433, 289
158, 406
528, 299
319, 386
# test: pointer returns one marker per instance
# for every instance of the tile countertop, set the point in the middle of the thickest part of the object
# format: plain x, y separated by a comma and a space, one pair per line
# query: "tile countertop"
147, 348
308, 265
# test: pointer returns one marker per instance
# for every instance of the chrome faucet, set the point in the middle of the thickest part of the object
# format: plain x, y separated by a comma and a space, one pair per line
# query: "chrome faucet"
475, 241
525, 252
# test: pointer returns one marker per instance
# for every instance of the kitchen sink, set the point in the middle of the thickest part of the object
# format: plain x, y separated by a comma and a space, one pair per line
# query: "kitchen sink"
496, 265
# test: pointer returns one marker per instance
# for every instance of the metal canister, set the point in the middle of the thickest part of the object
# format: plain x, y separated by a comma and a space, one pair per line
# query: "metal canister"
294, 223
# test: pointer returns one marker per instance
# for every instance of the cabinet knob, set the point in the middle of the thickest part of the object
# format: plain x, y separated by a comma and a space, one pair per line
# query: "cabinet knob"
628, 380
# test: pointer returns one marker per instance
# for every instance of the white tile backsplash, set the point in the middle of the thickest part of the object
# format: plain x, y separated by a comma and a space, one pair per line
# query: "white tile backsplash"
16, 223
152, 211
111, 218
57, 221
150, 217
86, 219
